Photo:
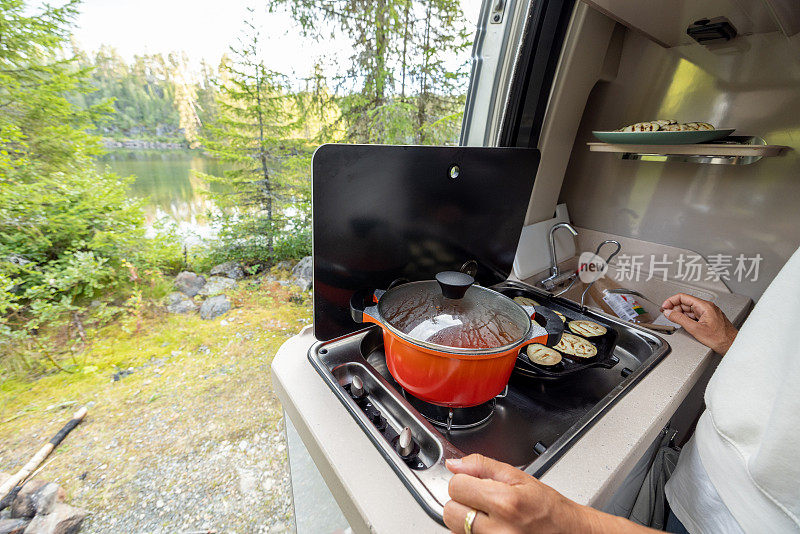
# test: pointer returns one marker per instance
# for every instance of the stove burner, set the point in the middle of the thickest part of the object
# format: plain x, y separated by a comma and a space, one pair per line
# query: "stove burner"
452, 418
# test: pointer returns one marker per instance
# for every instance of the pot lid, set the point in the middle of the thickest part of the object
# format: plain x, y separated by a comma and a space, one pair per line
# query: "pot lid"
382, 213
451, 314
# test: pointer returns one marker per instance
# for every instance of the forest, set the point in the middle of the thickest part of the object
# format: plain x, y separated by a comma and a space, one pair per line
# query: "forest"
73, 250
399, 89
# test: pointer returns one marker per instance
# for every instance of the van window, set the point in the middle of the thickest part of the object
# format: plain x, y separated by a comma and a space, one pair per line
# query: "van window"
396, 71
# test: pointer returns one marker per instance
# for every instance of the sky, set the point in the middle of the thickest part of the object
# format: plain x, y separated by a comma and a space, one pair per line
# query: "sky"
204, 29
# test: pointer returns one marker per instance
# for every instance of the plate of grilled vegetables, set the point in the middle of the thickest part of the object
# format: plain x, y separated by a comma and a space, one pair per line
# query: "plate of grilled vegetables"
663, 132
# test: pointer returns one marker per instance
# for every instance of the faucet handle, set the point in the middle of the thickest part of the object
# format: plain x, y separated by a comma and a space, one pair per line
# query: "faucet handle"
609, 242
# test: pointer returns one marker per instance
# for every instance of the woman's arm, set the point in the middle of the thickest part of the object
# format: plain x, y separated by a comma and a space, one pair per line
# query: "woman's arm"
510, 501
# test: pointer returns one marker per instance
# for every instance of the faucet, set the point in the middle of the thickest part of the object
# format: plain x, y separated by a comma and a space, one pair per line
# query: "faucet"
556, 278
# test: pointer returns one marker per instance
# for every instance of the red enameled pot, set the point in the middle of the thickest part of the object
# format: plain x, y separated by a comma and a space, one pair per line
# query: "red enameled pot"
450, 342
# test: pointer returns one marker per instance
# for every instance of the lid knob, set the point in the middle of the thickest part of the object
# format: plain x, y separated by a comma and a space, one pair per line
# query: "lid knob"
454, 284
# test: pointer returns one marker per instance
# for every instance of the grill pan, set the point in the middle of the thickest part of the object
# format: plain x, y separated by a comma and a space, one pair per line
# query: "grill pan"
569, 364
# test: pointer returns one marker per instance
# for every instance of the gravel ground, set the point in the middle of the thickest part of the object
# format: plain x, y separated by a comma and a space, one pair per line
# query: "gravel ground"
238, 487
167, 472
189, 440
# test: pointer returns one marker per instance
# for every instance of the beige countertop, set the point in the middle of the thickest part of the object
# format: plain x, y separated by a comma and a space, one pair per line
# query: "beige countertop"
370, 494
373, 498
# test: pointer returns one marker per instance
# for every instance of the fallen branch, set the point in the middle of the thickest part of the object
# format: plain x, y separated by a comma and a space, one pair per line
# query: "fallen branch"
24, 411
60, 405
76, 321
50, 357
10, 487
12, 418
48, 462
54, 362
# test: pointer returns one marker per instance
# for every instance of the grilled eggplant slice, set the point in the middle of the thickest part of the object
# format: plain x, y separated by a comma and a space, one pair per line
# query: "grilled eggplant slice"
576, 346
541, 355
587, 328
525, 301
645, 127
700, 126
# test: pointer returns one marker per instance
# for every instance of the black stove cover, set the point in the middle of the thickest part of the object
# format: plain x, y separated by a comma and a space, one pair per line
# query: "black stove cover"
381, 213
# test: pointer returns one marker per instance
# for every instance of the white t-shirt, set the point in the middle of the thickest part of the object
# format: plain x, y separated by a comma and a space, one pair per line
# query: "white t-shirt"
748, 439
694, 499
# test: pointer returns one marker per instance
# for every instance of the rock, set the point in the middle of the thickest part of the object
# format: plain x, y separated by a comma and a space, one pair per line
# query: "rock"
23, 502
275, 280
278, 528
45, 499
284, 265
37, 497
303, 274
189, 283
247, 481
214, 307
13, 526
64, 519
18, 259
217, 285
122, 373
230, 269
178, 302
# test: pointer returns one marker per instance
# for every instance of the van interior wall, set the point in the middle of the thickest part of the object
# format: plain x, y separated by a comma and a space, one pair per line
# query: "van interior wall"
590, 35
752, 85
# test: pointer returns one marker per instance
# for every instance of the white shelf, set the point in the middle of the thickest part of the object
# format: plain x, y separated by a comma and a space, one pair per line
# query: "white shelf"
693, 150
742, 151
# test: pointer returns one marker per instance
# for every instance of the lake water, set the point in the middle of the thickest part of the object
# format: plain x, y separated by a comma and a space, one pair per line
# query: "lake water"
173, 192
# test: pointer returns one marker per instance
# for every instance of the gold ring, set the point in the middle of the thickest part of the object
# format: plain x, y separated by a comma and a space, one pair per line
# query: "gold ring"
469, 520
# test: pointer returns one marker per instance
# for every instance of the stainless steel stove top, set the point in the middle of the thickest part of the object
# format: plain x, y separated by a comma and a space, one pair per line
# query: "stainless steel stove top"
533, 422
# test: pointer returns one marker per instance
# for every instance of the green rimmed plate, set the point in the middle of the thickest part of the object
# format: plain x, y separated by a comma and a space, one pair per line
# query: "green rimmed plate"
662, 138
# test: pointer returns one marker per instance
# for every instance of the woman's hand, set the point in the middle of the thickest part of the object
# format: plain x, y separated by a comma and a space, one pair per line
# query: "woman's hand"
702, 319
510, 501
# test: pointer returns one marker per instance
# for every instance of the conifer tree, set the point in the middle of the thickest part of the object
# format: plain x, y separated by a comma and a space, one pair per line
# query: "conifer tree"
253, 133
399, 87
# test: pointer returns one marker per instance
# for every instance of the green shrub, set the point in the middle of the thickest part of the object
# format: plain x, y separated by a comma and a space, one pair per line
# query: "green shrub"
68, 233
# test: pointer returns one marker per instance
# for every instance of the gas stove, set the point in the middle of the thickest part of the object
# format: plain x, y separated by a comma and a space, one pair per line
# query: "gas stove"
530, 425
383, 215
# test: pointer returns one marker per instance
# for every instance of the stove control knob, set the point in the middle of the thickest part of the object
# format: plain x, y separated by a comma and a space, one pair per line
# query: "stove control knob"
405, 443
357, 388
375, 417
